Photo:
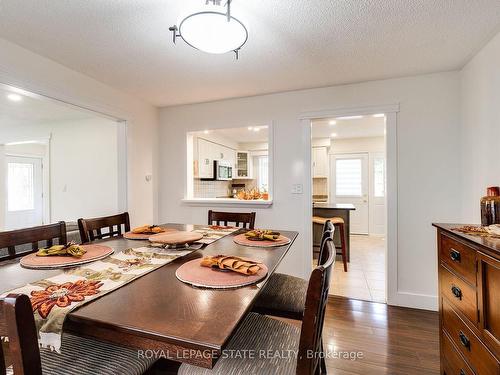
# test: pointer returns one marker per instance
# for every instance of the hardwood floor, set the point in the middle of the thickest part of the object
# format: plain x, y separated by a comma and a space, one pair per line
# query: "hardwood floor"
392, 340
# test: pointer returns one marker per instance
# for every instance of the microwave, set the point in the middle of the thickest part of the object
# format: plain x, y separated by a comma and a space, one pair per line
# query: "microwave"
223, 170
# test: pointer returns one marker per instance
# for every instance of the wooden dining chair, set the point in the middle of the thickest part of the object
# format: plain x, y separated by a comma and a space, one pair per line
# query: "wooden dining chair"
78, 355
285, 295
262, 334
92, 229
246, 219
19, 242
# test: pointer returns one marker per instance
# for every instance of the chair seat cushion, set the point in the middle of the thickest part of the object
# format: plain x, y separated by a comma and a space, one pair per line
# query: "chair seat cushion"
82, 356
284, 296
322, 220
257, 337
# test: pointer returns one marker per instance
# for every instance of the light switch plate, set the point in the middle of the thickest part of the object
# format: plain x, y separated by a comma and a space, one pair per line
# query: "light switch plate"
297, 189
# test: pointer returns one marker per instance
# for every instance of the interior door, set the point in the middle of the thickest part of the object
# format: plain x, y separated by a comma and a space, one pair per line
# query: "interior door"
349, 184
377, 199
24, 192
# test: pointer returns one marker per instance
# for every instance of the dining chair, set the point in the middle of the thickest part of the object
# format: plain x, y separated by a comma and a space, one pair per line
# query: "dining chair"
91, 229
19, 242
247, 219
300, 348
285, 295
78, 355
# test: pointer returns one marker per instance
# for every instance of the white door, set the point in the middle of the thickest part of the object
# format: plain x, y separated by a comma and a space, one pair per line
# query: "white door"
378, 211
24, 192
349, 184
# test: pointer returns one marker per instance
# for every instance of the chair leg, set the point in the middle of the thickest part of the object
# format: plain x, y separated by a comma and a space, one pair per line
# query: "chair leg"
343, 245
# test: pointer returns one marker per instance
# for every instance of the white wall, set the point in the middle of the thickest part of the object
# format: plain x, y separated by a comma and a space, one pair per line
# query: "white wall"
353, 145
480, 138
427, 164
24, 69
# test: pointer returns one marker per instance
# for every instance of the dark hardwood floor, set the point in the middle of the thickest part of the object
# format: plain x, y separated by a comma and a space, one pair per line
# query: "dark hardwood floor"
392, 340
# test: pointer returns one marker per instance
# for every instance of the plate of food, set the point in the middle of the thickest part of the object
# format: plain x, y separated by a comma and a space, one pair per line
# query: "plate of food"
261, 238
69, 255
146, 231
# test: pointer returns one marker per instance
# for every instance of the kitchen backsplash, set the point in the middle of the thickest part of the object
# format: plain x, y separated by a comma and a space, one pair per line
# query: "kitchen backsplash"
211, 189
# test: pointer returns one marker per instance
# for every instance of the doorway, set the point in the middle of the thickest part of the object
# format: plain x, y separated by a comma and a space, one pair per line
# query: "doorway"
356, 177
24, 192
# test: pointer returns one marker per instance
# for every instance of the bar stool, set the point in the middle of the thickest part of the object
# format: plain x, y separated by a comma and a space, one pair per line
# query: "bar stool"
339, 224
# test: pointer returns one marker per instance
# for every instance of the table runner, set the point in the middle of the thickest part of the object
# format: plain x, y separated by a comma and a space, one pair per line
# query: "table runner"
212, 233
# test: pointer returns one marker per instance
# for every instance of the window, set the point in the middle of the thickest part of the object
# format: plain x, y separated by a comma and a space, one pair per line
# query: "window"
21, 188
263, 173
348, 177
379, 177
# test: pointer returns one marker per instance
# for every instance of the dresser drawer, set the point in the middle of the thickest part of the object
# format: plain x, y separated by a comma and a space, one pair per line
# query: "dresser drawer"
458, 257
459, 293
476, 354
453, 363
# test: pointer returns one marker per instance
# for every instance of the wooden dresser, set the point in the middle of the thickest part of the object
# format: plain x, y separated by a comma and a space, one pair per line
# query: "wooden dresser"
469, 302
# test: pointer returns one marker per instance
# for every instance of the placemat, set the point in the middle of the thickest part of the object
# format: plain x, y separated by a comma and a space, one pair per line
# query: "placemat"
143, 236
94, 252
241, 239
205, 277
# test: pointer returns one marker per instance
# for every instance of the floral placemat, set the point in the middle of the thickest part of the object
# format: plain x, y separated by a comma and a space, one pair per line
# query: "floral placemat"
54, 298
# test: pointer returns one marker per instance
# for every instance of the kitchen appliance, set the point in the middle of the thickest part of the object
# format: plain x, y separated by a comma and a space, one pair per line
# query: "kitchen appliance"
223, 170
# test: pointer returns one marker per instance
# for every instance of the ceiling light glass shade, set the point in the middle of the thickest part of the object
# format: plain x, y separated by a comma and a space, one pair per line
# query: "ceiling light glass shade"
211, 32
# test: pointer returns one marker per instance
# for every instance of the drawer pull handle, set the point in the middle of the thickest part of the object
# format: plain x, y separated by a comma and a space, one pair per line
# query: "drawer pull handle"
464, 340
456, 292
455, 255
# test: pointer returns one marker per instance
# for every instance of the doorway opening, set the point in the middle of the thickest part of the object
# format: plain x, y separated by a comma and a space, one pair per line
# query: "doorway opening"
349, 186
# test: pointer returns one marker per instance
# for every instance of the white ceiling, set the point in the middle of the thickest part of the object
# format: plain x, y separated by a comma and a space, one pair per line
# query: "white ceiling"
293, 44
35, 109
239, 135
368, 126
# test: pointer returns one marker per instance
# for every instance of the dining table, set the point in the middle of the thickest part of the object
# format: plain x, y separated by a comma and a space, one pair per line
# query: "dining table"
159, 313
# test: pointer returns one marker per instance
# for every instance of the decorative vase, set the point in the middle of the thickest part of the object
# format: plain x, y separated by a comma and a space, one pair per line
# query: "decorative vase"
490, 207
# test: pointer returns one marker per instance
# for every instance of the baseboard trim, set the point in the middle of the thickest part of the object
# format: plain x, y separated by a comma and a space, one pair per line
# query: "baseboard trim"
414, 300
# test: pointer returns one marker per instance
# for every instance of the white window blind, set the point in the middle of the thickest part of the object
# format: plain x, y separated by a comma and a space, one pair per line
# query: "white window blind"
379, 177
263, 173
348, 177
20, 187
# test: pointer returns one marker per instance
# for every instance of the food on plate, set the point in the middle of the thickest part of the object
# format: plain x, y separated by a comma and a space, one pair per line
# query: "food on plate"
232, 263
220, 227
70, 249
148, 229
249, 194
262, 235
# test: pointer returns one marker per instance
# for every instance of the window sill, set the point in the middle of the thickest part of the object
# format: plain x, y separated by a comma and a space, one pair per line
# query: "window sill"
227, 202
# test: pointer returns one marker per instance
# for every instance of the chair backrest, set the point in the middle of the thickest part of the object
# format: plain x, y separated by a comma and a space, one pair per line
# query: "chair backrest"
328, 232
314, 313
247, 219
31, 238
91, 229
18, 324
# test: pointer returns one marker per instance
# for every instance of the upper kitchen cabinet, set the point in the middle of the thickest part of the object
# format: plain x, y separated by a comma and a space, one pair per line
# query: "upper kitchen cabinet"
243, 165
320, 162
206, 153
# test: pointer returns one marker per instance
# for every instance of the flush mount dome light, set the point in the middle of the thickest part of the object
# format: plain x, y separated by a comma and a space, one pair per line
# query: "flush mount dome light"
212, 32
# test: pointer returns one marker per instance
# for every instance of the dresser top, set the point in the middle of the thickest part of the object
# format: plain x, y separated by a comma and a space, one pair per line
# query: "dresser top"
492, 244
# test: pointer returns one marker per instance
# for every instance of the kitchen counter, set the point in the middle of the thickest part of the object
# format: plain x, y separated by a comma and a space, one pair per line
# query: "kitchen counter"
328, 210
227, 202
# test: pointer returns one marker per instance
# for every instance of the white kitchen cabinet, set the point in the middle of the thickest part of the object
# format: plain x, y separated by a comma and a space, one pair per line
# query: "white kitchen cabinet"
320, 162
207, 153
244, 165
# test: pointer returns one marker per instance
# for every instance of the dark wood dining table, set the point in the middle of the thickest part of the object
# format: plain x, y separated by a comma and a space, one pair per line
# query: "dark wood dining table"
157, 312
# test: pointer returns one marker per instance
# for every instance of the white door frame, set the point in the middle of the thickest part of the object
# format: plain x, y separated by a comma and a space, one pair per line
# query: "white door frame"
394, 297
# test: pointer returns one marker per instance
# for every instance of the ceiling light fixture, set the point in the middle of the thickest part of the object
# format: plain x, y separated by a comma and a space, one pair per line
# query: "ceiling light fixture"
250, 128
212, 32
14, 97
350, 118
378, 115
333, 135
333, 122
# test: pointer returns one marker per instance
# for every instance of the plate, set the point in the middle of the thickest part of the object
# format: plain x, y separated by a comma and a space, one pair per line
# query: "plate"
241, 239
176, 238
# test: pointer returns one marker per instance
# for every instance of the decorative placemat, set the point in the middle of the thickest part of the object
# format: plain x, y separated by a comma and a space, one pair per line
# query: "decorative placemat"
241, 239
176, 238
94, 252
145, 236
205, 277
